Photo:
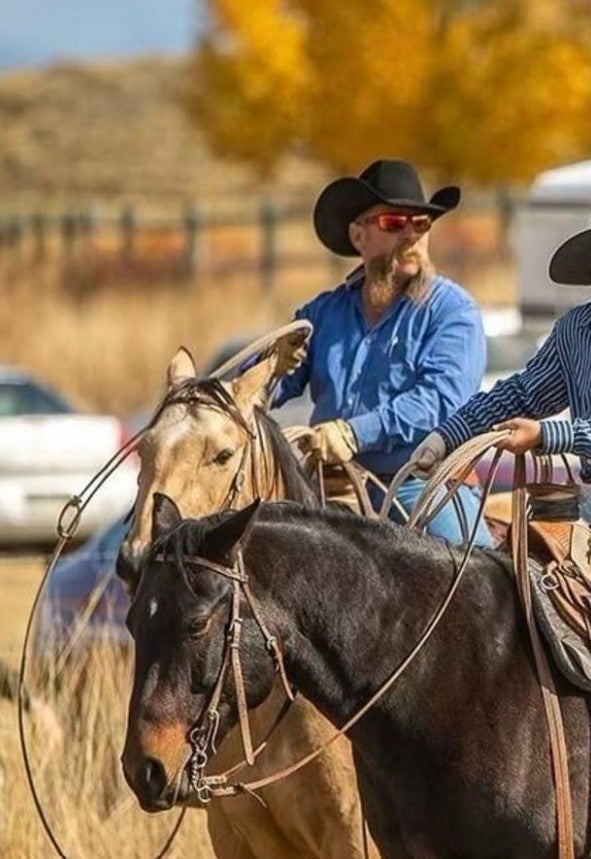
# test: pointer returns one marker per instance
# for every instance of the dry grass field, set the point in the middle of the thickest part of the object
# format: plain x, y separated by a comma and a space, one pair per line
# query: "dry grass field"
92, 812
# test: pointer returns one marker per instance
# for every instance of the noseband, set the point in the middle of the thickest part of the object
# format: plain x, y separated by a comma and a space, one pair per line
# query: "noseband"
202, 735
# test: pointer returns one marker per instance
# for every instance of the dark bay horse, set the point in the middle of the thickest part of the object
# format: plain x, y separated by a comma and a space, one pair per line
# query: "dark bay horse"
454, 760
212, 446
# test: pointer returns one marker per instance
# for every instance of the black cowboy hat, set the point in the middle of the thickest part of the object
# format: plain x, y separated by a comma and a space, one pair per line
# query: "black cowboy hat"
571, 263
386, 181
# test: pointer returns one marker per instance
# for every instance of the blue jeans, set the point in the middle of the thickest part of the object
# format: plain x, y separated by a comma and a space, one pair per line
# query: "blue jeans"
585, 504
446, 524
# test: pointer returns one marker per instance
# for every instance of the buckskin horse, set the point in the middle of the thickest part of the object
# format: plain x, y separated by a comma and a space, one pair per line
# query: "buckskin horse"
452, 761
212, 447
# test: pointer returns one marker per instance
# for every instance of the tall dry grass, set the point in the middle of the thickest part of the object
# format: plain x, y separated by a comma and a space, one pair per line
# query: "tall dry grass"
78, 774
108, 348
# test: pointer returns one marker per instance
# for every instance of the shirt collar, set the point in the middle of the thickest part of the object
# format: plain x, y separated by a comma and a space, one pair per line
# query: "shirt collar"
355, 277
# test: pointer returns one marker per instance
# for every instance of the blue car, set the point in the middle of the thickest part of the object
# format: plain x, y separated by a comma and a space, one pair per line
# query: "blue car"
84, 602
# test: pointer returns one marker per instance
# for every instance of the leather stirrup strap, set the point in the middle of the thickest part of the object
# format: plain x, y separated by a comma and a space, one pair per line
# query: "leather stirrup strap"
549, 696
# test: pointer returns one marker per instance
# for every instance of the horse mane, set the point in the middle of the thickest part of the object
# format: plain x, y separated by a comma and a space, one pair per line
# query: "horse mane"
297, 486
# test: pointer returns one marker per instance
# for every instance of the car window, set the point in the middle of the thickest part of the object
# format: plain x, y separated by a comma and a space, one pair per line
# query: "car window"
510, 352
23, 398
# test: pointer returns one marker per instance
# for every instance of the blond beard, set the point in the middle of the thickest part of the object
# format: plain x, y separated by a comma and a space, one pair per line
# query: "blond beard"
382, 285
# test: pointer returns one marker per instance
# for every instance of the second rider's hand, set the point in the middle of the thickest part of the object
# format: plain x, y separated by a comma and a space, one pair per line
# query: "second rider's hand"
525, 434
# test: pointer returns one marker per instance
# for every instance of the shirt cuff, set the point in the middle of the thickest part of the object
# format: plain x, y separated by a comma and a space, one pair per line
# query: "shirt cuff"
368, 430
557, 436
454, 432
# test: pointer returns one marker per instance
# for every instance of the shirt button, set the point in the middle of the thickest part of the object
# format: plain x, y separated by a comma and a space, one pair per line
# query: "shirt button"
350, 400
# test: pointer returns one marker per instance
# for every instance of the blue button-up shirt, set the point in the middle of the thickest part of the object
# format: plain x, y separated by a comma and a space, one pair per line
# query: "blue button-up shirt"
558, 376
393, 381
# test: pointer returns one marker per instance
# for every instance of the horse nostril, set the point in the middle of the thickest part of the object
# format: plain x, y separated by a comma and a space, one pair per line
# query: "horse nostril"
153, 778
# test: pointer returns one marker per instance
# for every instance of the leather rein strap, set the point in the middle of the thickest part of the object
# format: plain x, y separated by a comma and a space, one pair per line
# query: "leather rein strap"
217, 786
558, 748
463, 459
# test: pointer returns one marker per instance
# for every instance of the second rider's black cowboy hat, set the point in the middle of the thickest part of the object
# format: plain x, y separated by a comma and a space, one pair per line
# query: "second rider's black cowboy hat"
386, 181
571, 263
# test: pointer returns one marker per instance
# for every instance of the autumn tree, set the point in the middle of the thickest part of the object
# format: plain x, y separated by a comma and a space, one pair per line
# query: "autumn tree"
489, 90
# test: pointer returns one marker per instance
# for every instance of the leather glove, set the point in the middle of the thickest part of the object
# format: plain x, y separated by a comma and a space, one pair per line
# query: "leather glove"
428, 455
332, 442
291, 351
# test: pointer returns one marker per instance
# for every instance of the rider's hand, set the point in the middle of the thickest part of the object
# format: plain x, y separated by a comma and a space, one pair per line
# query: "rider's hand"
291, 351
332, 442
525, 435
428, 455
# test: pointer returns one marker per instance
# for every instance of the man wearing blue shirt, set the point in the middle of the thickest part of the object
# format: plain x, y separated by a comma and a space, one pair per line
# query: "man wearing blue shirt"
397, 348
558, 376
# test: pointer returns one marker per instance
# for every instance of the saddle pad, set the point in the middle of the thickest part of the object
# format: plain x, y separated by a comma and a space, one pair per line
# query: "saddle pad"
571, 655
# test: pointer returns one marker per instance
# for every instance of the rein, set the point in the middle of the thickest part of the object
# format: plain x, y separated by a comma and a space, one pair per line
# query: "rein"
71, 514
208, 787
458, 464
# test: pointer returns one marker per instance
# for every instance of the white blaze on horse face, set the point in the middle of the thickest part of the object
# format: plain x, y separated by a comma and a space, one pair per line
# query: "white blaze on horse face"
153, 607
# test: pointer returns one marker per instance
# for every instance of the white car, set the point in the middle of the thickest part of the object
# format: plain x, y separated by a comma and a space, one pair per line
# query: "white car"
49, 452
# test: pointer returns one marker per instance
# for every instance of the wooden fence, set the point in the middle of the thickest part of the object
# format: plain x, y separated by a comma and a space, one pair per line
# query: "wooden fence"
270, 245
79, 234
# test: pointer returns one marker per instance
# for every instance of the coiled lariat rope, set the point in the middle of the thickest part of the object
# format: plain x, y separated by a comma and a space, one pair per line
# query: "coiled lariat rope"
218, 785
67, 525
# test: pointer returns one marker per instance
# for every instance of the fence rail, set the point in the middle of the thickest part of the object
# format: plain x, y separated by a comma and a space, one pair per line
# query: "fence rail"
39, 235
94, 248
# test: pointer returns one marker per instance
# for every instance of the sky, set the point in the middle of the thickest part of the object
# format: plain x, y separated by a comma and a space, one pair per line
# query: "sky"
38, 32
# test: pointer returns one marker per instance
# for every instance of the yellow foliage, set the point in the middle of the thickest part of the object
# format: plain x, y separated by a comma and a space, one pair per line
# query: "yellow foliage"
492, 90
250, 77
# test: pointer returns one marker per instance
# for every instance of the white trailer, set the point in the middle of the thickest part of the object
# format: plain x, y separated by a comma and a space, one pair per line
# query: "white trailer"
557, 206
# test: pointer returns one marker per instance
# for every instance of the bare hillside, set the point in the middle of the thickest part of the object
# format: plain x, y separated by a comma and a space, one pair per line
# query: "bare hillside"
118, 130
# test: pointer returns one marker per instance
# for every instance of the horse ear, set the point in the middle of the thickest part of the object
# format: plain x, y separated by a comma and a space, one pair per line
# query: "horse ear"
251, 388
233, 533
165, 515
181, 367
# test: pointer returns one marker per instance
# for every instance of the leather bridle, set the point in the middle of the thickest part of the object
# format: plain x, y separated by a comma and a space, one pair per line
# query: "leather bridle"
203, 733
202, 736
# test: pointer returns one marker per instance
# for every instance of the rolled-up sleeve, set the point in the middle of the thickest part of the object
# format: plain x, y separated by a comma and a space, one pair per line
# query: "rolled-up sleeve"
449, 370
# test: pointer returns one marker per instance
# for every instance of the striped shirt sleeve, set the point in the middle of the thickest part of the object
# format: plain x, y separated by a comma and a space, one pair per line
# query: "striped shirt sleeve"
564, 436
539, 391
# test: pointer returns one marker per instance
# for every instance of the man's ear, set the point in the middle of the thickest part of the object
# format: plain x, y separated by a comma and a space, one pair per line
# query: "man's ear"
181, 367
234, 532
356, 236
165, 515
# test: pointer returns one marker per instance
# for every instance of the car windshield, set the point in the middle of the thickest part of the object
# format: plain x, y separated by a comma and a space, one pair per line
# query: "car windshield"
24, 398
510, 352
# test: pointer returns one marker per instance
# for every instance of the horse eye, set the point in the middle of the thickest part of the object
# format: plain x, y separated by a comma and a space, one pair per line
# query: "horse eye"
197, 626
223, 456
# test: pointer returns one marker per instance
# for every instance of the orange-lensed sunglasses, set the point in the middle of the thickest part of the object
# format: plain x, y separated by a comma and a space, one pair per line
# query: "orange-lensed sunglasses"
393, 222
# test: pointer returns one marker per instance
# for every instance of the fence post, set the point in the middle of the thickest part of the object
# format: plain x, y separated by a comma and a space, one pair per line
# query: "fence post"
39, 229
193, 223
268, 263
14, 233
128, 226
68, 227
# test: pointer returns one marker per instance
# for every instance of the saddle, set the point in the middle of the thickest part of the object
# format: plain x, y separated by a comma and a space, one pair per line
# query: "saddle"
559, 549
